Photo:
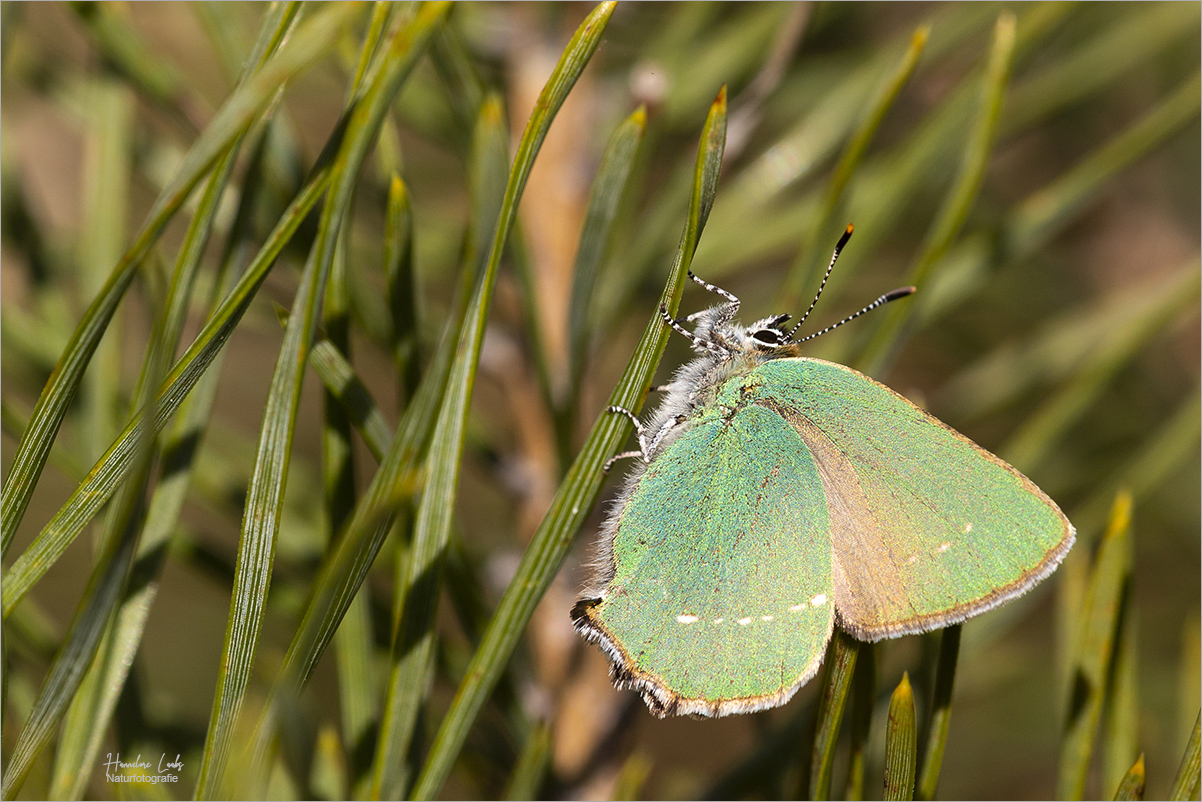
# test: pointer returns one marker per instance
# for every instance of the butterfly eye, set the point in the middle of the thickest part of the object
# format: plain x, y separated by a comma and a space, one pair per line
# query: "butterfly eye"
768, 336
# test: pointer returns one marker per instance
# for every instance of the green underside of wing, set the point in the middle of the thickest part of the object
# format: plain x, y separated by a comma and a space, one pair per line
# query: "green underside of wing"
722, 558
956, 529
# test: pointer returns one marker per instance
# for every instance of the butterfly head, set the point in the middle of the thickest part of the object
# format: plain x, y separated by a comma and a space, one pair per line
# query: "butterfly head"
766, 337
767, 334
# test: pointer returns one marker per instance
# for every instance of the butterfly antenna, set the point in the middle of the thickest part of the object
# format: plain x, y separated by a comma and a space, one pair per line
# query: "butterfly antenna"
900, 292
834, 257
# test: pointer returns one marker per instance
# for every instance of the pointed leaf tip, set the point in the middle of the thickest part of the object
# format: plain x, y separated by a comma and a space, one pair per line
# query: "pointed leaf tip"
603, 12
639, 117
901, 743
921, 35
1133, 783
491, 110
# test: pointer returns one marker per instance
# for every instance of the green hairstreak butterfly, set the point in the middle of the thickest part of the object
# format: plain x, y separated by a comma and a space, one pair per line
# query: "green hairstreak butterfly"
775, 496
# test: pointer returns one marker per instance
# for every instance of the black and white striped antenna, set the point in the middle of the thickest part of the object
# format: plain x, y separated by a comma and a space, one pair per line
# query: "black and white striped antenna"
900, 292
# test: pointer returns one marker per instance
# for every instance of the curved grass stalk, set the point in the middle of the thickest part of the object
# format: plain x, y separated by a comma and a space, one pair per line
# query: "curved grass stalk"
356, 550
265, 495
579, 489
959, 200
390, 766
113, 466
242, 108
413, 649
1092, 671
838, 668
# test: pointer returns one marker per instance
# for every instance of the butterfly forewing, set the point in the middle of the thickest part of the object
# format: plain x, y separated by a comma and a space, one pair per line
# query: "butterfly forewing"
927, 527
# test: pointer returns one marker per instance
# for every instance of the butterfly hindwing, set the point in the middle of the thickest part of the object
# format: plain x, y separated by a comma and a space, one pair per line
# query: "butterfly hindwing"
927, 528
728, 608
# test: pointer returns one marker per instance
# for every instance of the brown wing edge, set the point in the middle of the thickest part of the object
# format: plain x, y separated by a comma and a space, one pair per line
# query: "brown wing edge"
662, 700
926, 623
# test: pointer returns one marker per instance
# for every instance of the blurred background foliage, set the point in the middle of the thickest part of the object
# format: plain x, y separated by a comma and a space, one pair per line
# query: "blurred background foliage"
1036, 175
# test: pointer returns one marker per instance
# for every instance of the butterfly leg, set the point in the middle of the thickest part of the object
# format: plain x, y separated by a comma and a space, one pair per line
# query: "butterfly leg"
729, 310
639, 429
609, 463
734, 301
667, 426
697, 342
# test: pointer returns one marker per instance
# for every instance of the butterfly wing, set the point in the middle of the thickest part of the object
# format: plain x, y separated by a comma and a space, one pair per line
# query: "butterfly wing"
927, 527
720, 596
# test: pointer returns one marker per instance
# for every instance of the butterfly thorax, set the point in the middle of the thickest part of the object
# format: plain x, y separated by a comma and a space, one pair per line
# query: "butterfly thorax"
725, 350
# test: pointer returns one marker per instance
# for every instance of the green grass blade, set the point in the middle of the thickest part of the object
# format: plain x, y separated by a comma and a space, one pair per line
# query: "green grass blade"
307, 44
402, 289
863, 699
532, 764
1133, 782
1185, 786
1058, 352
93, 705
1099, 61
596, 236
338, 468
108, 472
264, 504
358, 692
265, 495
1030, 444
941, 712
490, 160
122, 46
632, 778
1104, 600
579, 489
840, 665
1160, 456
381, 16
413, 649
901, 743
1120, 739
79, 647
340, 380
1047, 211
809, 260
343, 573
960, 198
108, 119
103, 592
353, 642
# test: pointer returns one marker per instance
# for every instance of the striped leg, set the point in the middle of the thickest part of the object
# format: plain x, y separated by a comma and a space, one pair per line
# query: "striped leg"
693, 338
639, 430
716, 290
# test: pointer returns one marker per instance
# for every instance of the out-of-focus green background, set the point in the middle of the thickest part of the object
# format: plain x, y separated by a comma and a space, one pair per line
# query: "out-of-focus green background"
1059, 328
